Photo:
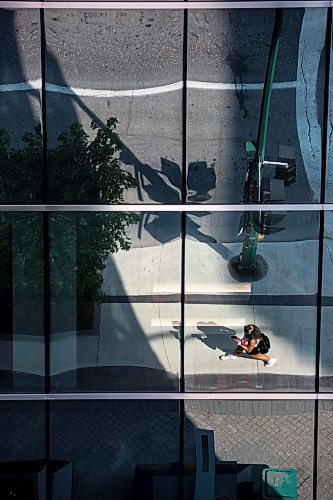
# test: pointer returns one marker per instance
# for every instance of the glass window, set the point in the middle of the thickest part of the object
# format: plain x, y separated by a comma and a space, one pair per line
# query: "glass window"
325, 450
329, 159
261, 434
326, 364
20, 122
110, 68
22, 356
118, 446
22, 449
115, 293
227, 62
236, 275
22, 426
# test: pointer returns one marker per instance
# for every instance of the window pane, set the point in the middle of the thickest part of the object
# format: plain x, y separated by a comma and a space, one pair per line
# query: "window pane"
115, 293
326, 363
329, 161
225, 293
108, 441
275, 434
20, 84
22, 431
21, 283
325, 450
22, 449
228, 56
105, 65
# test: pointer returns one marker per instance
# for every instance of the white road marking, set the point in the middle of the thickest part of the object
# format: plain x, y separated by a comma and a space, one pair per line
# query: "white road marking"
114, 93
162, 89
14, 87
238, 86
311, 44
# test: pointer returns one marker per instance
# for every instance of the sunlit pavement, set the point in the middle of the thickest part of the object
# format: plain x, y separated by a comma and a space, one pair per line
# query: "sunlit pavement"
282, 304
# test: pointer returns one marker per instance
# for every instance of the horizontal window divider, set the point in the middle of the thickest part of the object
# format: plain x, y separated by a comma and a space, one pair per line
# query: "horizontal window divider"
176, 396
294, 207
269, 4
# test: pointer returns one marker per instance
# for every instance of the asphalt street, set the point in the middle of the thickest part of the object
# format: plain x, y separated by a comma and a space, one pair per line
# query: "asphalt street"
122, 50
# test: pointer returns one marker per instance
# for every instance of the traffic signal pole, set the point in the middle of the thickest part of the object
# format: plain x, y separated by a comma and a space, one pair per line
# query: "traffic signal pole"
247, 259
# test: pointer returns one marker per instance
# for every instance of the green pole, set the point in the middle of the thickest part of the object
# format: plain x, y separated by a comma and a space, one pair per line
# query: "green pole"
247, 259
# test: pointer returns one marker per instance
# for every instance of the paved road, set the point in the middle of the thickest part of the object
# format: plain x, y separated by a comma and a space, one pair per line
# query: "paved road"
133, 50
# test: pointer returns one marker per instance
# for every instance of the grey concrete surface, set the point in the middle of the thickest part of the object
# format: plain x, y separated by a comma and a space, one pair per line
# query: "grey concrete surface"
137, 325
219, 122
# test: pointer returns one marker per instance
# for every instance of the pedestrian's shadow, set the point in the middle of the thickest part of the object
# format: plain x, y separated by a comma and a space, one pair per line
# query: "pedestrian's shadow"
214, 336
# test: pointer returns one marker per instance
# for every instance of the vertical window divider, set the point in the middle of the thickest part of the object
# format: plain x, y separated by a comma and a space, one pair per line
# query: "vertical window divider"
183, 197
46, 252
321, 235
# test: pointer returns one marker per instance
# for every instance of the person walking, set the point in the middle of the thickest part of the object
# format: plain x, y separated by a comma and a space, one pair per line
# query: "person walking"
254, 343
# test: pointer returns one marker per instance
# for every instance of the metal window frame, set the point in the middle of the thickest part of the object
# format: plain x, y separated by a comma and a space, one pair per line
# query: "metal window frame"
166, 5
293, 207
174, 396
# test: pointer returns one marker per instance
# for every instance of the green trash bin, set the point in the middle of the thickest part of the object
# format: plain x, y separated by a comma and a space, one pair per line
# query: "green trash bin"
279, 484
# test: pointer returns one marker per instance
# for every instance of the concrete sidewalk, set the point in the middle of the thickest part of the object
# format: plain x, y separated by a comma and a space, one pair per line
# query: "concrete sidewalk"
138, 324
151, 272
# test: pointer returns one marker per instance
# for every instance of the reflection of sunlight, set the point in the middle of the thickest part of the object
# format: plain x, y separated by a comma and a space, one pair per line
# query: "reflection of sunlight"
145, 270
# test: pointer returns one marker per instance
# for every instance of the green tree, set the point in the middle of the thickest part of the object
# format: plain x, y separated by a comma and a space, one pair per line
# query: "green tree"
80, 170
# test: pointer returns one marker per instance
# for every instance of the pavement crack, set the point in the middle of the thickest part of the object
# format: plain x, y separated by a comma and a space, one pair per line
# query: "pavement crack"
329, 252
239, 92
306, 100
130, 112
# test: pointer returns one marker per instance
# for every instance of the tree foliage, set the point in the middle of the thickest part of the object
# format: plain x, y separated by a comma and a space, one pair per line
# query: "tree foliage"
80, 170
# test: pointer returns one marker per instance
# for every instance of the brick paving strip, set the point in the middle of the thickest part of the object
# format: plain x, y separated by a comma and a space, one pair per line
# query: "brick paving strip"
276, 433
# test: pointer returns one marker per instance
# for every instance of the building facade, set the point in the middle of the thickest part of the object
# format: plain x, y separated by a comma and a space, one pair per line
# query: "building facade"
166, 179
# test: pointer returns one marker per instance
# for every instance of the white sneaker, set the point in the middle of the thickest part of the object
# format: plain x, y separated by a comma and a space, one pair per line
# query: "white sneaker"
271, 362
225, 357
203, 336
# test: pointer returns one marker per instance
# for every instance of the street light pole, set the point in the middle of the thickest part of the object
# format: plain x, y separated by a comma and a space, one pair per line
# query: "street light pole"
256, 155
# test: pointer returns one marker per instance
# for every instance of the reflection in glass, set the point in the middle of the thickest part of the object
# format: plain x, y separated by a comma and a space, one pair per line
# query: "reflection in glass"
22, 449
21, 284
115, 293
143, 93
113, 443
226, 106
277, 434
326, 343
22, 425
329, 159
325, 450
84, 171
20, 80
222, 297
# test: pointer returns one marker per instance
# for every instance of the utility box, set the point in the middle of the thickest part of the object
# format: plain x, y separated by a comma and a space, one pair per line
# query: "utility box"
279, 484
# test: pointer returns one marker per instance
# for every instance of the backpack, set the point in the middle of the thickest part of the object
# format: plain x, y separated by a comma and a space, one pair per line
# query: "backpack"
264, 344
